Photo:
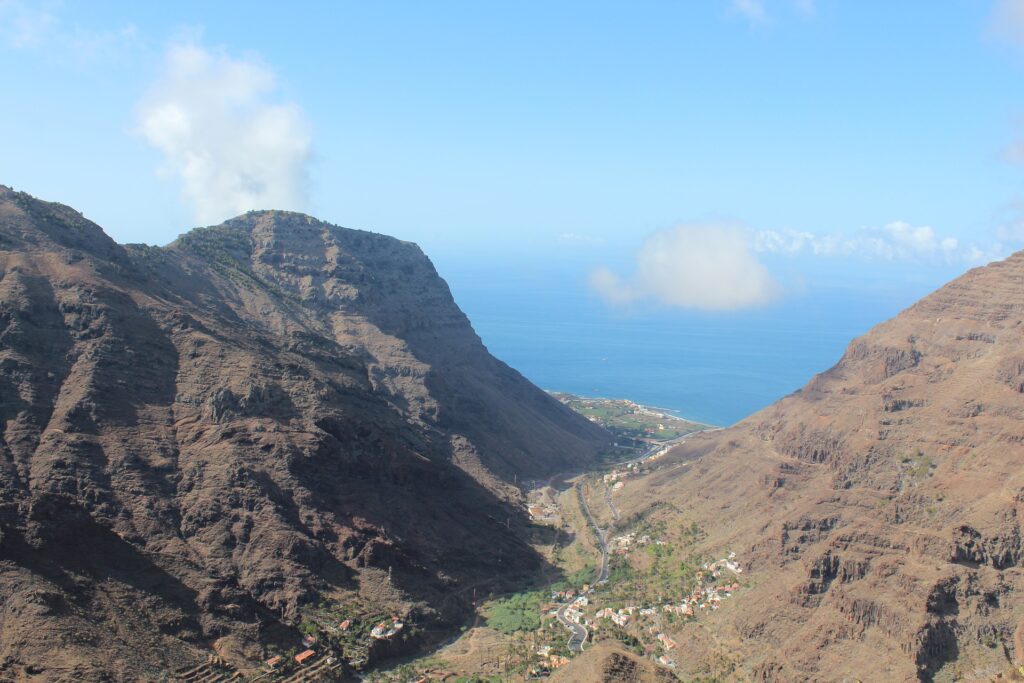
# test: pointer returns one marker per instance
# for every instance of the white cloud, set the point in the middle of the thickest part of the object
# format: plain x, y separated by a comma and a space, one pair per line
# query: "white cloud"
896, 241
751, 10
701, 266
24, 25
717, 267
1007, 21
221, 131
38, 26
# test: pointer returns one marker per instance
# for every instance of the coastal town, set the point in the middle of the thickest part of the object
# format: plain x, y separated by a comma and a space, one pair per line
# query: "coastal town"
636, 426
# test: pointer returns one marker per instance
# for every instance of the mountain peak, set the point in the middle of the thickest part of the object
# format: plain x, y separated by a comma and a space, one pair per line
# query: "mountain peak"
27, 223
266, 419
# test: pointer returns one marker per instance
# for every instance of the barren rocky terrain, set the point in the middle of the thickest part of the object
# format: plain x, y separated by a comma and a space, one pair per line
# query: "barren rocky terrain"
877, 511
199, 441
610, 663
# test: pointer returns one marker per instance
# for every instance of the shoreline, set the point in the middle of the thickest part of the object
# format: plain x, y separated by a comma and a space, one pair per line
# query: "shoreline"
653, 410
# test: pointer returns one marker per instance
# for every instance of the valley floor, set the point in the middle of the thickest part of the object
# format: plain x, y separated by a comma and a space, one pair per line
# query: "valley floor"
609, 580
619, 580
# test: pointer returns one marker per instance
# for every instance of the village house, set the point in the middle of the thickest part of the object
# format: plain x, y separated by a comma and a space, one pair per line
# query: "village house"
558, 660
305, 656
385, 630
666, 642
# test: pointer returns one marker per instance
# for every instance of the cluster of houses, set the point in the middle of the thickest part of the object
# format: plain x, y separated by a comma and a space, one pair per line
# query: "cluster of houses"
543, 512
569, 593
615, 476
551, 660
302, 659
706, 596
386, 629
659, 453
727, 563
620, 617
621, 545
574, 612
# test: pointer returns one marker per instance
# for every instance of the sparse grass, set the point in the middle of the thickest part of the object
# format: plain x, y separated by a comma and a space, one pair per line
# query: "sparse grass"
918, 466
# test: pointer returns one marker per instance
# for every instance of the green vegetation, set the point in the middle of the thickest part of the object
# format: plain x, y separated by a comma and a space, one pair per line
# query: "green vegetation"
227, 249
584, 575
656, 572
519, 612
629, 421
918, 466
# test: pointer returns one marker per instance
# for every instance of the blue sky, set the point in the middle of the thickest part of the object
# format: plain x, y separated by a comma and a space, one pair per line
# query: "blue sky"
515, 135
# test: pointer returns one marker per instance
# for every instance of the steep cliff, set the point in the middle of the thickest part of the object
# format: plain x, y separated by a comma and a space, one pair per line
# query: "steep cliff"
199, 442
878, 510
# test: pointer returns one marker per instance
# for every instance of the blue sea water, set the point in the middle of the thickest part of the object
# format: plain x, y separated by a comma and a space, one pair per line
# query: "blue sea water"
715, 368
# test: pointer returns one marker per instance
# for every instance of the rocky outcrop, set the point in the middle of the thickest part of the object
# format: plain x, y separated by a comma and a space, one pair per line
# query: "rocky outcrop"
199, 442
610, 663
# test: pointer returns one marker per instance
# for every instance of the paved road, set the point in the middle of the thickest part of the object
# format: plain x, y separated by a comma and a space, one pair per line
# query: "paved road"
648, 453
578, 633
611, 505
602, 541
667, 444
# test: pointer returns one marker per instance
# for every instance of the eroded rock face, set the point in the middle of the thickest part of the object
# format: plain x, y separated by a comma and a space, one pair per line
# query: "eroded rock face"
197, 441
878, 509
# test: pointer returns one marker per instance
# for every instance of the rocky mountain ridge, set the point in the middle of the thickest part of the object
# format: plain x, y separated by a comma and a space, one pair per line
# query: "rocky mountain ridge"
877, 510
199, 442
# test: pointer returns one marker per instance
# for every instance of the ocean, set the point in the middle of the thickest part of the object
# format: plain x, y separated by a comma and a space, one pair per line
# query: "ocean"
715, 368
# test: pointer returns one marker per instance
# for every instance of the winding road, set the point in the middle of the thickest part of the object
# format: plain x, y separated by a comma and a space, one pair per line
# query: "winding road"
578, 633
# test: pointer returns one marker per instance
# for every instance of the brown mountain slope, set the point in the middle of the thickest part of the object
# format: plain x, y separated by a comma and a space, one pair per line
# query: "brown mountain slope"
197, 443
611, 663
878, 510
